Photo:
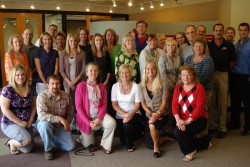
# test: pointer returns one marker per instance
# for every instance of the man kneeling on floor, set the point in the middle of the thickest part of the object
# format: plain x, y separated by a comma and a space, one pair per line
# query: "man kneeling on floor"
53, 108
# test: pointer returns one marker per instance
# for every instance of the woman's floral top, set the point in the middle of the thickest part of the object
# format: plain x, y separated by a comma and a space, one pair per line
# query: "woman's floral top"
133, 60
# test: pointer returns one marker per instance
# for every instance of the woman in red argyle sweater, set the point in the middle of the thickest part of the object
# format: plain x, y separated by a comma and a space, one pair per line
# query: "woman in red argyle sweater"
189, 112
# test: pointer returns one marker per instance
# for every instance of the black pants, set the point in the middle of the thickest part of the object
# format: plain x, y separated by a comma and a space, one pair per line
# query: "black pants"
130, 131
240, 92
187, 142
159, 124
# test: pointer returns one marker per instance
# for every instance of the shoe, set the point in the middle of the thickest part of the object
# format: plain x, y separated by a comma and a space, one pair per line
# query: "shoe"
132, 149
104, 150
221, 134
190, 156
76, 132
210, 145
48, 155
92, 148
245, 133
12, 151
157, 154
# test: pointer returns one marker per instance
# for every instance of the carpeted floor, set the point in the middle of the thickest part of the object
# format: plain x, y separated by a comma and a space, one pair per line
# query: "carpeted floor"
232, 151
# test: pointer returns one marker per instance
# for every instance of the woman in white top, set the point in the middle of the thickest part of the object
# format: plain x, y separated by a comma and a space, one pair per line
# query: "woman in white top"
125, 97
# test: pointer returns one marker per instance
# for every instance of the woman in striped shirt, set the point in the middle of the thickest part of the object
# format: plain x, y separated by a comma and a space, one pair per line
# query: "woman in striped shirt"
203, 65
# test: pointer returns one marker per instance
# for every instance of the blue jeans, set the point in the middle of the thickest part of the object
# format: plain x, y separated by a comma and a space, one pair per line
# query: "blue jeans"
18, 133
53, 136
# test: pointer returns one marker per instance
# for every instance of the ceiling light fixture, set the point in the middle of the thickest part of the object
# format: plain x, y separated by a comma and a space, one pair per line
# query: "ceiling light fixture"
110, 10
130, 3
3, 6
151, 5
58, 7
87, 9
32, 6
114, 4
142, 8
161, 4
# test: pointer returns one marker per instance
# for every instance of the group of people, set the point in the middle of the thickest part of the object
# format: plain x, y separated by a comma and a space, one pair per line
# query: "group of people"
153, 86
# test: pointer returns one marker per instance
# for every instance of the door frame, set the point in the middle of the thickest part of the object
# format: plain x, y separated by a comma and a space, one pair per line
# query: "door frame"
20, 27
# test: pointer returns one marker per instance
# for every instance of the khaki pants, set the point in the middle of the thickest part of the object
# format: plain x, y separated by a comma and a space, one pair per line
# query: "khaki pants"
109, 125
218, 107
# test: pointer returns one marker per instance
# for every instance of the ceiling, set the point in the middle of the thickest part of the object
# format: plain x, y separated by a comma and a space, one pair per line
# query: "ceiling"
102, 6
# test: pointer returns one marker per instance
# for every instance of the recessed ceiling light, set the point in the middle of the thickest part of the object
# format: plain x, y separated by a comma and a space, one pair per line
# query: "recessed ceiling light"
130, 3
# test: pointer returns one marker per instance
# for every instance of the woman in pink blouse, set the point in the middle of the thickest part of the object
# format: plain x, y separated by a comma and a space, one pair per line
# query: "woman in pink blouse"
91, 105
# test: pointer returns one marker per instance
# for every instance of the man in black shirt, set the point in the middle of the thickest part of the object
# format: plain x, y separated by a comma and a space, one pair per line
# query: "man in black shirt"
223, 54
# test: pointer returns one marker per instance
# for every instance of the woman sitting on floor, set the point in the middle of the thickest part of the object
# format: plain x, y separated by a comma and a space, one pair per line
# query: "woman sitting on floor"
18, 107
188, 107
91, 105
125, 97
154, 102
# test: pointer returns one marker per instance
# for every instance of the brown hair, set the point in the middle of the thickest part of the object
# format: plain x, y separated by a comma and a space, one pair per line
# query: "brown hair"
53, 76
84, 29
202, 40
142, 22
42, 36
190, 69
113, 33
93, 46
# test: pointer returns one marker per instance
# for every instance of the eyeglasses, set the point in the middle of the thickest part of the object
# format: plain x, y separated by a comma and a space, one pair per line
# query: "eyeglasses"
190, 33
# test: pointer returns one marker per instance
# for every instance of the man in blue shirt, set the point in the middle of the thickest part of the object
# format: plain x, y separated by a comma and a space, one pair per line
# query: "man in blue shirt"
240, 81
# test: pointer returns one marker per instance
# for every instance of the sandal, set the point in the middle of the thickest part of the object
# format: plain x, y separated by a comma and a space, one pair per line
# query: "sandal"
131, 149
190, 156
210, 146
104, 150
12, 151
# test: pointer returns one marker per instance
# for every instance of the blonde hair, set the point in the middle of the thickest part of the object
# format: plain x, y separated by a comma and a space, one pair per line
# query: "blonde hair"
190, 69
124, 39
125, 66
12, 81
10, 42
161, 36
171, 41
157, 83
69, 36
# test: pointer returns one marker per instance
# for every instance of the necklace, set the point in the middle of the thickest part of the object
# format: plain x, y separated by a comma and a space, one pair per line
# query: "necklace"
18, 54
125, 89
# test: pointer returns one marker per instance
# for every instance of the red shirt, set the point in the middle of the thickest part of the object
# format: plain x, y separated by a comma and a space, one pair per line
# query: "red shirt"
189, 104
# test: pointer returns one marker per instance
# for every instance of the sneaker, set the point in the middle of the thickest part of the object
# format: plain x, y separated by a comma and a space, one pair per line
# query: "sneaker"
221, 134
48, 155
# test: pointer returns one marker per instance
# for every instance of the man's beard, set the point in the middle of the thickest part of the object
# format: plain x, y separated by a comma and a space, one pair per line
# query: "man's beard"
55, 91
